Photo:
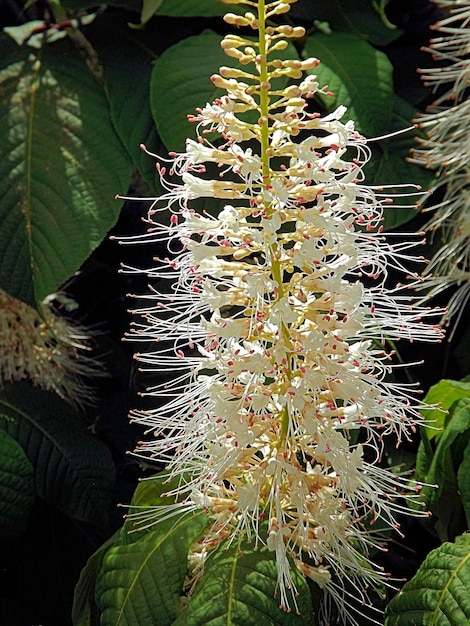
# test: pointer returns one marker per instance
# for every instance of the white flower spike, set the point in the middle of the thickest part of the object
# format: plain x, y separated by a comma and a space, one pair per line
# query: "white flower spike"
446, 150
275, 326
46, 349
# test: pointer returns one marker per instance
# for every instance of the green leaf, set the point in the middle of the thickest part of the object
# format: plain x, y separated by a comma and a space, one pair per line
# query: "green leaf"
360, 77
378, 30
358, 17
141, 578
151, 492
149, 7
85, 611
239, 587
16, 488
170, 8
463, 477
444, 500
197, 8
390, 166
131, 5
126, 71
438, 594
73, 470
444, 394
181, 83
62, 164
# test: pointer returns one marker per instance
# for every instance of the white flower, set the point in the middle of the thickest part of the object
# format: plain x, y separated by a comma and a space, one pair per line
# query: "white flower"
282, 295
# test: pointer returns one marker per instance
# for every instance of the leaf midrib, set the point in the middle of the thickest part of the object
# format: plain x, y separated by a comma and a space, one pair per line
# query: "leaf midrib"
437, 611
26, 205
140, 569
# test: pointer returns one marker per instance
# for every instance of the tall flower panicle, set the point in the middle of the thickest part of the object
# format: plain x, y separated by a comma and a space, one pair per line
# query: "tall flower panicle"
276, 324
446, 149
45, 349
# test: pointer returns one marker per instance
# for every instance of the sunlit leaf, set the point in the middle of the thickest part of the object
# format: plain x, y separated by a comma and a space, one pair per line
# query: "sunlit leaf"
62, 164
239, 587
181, 83
438, 594
360, 77
141, 579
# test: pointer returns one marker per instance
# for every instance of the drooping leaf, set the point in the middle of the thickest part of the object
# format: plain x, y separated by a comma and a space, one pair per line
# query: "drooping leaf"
62, 164
360, 77
463, 477
181, 83
126, 71
141, 578
438, 594
16, 488
444, 500
239, 587
73, 471
444, 394
85, 611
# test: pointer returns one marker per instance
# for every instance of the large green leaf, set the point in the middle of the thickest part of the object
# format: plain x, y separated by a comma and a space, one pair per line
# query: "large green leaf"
85, 611
126, 71
73, 470
141, 578
16, 488
360, 77
444, 394
444, 500
239, 587
438, 594
181, 82
367, 22
62, 164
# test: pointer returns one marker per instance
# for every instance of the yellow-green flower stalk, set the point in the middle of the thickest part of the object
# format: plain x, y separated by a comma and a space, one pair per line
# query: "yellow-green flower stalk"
447, 151
45, 349
275, 326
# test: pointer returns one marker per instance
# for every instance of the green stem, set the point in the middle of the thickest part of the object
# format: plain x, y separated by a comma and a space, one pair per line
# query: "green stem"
266, 170
264, 93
